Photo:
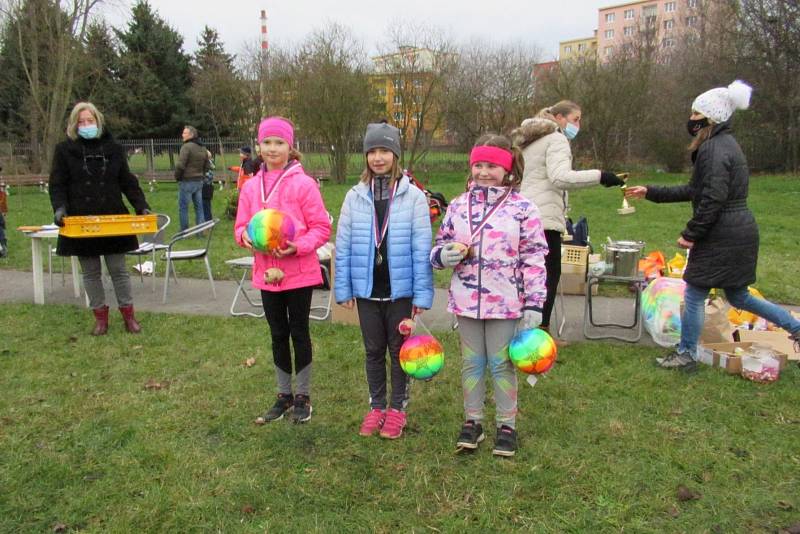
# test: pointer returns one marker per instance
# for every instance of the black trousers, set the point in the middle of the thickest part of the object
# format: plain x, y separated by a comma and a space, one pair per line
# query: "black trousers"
287, 315
552, 263
379, 321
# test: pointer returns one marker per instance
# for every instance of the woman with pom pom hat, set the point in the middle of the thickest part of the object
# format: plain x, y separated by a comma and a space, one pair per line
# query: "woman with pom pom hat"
722, 235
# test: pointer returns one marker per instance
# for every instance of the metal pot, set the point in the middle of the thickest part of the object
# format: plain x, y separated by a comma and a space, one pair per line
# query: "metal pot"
623, 256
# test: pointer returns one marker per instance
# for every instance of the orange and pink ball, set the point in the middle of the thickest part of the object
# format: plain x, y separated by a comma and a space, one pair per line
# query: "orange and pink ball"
422, 357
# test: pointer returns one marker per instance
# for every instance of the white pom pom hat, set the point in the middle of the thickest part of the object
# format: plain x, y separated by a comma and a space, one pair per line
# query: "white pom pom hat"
719, 104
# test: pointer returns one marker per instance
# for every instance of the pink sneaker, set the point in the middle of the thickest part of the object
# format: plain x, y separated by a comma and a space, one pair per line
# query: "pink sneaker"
373, 422
394, 424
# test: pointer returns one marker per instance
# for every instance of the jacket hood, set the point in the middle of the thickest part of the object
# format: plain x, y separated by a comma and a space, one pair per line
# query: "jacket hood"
532, 130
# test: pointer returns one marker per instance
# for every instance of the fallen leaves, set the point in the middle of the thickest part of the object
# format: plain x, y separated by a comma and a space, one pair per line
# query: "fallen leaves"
248, 509
793, 529
249, 362
685, 494
155, 385
59, 527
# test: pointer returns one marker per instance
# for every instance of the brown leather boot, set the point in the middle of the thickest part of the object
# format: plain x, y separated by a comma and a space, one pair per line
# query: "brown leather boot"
131, 325
100, 321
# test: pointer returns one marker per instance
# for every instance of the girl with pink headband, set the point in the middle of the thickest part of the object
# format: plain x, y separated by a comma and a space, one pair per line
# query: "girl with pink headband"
493, 239
282, 184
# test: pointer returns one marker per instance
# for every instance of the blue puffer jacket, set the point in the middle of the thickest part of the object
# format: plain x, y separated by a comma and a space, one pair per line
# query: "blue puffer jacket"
408, 244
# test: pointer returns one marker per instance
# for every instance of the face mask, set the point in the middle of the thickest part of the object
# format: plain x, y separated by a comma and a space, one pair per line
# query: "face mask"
571, 131
695, 125
88, 132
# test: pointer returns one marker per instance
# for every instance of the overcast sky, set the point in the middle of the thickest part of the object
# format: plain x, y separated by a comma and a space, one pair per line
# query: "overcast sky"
536, 22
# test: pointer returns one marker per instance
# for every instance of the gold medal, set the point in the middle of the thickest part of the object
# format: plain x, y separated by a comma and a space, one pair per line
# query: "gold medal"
378, 258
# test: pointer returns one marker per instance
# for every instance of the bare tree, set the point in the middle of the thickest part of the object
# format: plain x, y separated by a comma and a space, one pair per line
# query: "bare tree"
418, 61
50, 34
490, 89
330, 93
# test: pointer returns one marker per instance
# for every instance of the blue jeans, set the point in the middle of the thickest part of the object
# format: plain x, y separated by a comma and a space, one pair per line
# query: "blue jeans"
190, 189
740, 298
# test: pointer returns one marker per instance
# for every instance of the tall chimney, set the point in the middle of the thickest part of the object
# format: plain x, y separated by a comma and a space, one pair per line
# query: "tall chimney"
264, 40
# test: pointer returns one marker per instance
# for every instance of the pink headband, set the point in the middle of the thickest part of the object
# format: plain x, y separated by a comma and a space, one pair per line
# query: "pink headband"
491, 154
276, 127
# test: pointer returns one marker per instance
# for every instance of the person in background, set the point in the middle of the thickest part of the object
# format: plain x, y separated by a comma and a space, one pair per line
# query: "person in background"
544, 141
3, 211
247, 166
208, 187
190, 169
722, 236
89, 176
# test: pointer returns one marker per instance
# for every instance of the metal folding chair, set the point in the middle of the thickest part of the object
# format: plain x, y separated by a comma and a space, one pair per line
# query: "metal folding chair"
152, 243
172, 255
246, 264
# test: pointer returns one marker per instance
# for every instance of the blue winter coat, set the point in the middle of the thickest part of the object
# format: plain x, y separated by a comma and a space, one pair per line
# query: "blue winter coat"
408, 245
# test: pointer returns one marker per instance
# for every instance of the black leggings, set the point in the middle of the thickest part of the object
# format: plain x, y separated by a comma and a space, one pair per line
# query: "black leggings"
552, 263
287, 315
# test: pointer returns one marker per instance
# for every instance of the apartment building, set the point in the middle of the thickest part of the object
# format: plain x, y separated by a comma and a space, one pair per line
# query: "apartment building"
654, 23
657, 23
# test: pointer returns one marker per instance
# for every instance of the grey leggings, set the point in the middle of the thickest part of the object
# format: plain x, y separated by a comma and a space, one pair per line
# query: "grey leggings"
93, 279
484, 343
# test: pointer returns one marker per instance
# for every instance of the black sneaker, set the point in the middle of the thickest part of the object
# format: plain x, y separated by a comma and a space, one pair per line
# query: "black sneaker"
282, 405
505, 444
471, 435
795, 337
302, 409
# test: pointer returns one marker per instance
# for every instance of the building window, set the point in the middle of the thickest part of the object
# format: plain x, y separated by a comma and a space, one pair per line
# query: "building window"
397, 100
668, 43
629, 14
609, 18
609, 50
691, 3
668, 24
398, 83
382, 92
691, 21
627, 31
582, 47
669, 7
418, 116
417, 84
567, 49
609, 34
398, 116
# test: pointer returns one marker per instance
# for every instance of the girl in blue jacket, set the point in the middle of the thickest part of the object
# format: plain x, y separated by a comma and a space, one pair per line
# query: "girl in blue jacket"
383, 242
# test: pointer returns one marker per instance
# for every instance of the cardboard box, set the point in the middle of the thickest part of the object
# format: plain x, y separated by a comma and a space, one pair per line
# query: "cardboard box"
573, 280
776, 339
723, 355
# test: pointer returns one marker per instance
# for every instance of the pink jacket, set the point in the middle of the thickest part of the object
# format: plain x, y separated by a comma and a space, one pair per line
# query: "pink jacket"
504, 273
298, 196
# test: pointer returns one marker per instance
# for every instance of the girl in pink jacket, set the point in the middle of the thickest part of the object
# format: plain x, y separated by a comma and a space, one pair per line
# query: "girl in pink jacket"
282, 184
493, 239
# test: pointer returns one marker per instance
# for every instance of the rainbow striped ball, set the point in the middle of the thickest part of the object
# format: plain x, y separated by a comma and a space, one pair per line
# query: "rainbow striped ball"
421, 357
533, 351
269, 230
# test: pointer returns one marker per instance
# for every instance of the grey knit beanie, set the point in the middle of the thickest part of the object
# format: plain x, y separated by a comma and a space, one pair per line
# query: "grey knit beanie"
382, 135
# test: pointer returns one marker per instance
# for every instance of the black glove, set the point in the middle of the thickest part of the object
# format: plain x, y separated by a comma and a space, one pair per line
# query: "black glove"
609, 179
58, 216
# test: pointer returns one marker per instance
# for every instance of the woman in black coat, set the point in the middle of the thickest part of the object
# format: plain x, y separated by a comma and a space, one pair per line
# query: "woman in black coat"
89, 175
722, 235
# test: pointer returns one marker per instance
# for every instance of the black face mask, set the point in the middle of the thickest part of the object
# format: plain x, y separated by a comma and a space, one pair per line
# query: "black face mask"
695, 125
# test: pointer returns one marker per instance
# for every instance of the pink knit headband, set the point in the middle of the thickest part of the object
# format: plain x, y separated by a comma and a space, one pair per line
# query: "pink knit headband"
491, 154
276, 127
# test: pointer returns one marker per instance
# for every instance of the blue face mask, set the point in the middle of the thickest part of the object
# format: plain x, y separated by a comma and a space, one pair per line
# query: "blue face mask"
571, 131
88, 132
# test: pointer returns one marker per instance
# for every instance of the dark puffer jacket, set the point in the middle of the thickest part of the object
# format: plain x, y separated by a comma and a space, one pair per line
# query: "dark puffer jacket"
89, 177
722, 228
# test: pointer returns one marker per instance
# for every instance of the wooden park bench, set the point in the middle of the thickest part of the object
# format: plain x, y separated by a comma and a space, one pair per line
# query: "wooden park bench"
40, 180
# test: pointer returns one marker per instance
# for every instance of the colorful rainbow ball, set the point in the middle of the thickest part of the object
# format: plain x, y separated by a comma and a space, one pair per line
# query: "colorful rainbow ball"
533, 351
269, 230
422, 357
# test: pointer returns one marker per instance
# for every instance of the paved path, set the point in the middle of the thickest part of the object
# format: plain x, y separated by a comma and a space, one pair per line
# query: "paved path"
193, 296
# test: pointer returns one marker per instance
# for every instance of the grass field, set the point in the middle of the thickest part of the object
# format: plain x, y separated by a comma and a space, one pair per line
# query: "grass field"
773, 199
154, 433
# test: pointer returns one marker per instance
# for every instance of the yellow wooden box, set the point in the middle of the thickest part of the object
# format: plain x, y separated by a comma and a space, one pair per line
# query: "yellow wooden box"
108, 225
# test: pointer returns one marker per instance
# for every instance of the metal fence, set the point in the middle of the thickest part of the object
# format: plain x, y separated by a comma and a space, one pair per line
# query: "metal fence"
154, 157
